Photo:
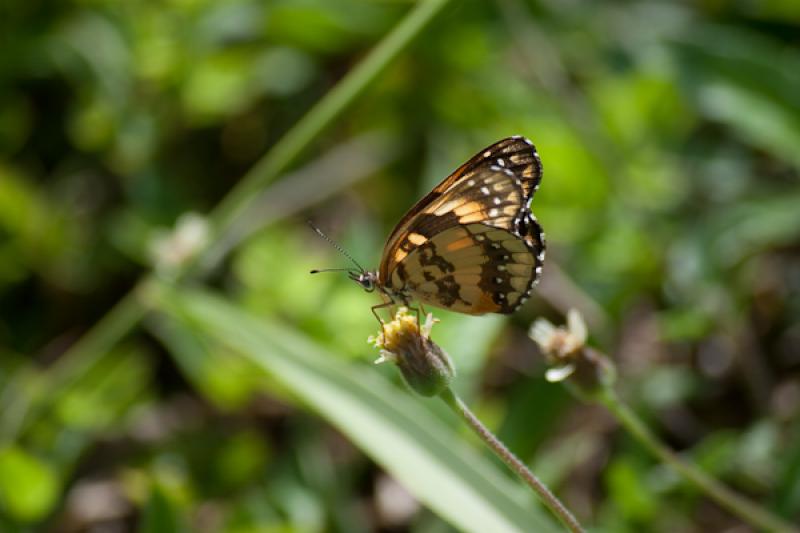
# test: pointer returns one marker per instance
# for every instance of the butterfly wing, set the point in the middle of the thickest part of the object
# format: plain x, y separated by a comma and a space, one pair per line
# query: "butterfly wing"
474, 269
475, 249
517, 154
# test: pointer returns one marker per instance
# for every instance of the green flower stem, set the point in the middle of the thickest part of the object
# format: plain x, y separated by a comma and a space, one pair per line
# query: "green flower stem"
129, 311
742, 507
547, 497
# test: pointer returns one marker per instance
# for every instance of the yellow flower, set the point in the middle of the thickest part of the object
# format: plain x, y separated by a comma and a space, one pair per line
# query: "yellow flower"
426, 368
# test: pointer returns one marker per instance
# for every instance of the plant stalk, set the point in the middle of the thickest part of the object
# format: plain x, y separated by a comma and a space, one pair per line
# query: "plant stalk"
742, 507
129, 310
519, 468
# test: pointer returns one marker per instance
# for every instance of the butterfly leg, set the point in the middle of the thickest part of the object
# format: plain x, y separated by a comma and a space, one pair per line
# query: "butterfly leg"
424, 312
419, 311
416, 312
374, 310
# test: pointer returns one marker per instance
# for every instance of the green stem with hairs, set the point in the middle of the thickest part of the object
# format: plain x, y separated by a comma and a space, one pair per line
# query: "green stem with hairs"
737, 504
519, 468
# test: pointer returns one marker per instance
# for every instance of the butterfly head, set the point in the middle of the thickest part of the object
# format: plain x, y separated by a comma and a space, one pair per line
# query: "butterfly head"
367, 279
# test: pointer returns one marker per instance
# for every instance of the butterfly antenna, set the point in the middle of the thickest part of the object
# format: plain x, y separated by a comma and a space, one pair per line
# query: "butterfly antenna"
335, 245
318, 270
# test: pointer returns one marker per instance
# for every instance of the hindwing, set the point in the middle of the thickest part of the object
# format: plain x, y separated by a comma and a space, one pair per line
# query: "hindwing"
474, 268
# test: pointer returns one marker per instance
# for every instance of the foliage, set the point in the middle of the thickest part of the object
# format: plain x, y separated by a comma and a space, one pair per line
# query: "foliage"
668, 133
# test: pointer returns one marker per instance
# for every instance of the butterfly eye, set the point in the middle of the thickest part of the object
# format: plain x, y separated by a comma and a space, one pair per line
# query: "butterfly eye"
367, 282
365, 279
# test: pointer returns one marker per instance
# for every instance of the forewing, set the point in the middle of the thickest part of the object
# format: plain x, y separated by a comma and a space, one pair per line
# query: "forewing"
493, 196
474, 268
516, 154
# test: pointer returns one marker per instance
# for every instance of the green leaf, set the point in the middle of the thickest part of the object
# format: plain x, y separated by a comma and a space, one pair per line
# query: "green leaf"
161, 515
28, 486
218, 373
787, 492
629, 492
766, 124
396, 430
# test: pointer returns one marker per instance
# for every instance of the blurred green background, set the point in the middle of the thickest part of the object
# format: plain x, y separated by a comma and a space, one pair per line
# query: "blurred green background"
670, 138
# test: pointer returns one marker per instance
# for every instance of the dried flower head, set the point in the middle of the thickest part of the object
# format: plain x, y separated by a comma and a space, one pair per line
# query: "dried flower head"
559, 345
426, 368
566, 351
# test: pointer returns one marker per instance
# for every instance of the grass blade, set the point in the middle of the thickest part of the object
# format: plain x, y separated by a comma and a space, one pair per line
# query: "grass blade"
397, 431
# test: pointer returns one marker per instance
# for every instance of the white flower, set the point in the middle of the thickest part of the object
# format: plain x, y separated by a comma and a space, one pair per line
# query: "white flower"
170, 250
560, 345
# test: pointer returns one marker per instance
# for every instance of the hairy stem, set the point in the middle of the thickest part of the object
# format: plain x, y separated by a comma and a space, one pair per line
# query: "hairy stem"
744, 508
547, 497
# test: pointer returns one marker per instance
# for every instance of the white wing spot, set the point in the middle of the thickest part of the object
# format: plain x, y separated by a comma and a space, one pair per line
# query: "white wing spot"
487, 153
493, 212
471, 183
497, 201
485, 190
498, 280
501, 162
501, 268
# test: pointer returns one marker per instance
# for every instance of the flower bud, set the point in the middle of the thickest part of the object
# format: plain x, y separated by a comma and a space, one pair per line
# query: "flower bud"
425, 367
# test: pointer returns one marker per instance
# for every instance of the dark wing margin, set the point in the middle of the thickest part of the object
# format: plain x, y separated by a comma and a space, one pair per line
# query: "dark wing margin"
516, 153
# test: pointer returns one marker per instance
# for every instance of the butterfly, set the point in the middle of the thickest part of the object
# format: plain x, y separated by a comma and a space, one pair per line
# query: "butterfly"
471, 245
